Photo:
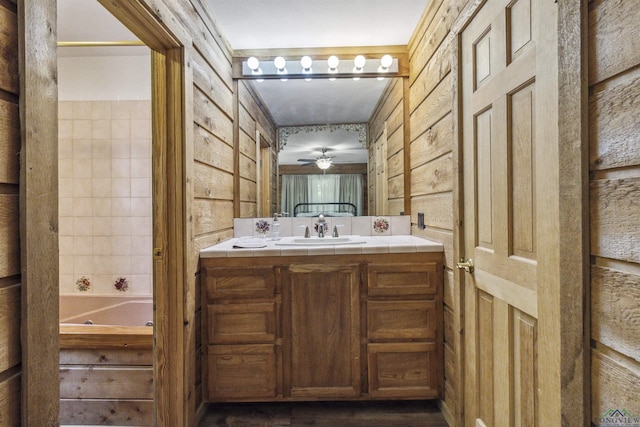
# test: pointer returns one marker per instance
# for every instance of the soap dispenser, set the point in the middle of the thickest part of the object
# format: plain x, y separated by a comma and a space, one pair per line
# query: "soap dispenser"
275, 227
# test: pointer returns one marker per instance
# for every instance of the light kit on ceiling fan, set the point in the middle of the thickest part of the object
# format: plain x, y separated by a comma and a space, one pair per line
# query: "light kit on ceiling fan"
323, 163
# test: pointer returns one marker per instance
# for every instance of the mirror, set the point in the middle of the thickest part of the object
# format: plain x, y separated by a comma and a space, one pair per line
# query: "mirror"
314, 115
322, 119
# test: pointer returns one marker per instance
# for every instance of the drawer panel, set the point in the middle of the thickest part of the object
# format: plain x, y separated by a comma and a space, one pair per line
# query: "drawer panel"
403, 279
401, 320
238, 372
250, 282
242, 323
404, 370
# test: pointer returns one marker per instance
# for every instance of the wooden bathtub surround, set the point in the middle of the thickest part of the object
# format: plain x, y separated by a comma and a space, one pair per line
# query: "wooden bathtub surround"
106, 336
106, 375
298, 328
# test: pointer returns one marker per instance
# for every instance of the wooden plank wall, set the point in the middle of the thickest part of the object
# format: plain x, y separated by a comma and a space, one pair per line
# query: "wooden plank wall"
252, 116
209, 169
614, 165
388, 119
431, 123
10, 289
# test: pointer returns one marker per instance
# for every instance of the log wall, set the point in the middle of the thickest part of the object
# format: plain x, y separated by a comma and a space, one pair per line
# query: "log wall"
10, 283
432, 168
614, 166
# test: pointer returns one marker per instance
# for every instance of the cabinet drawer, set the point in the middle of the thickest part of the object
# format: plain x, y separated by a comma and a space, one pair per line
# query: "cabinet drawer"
401, 320
257, 282
403, 279
238, 372
408, 370
241, 323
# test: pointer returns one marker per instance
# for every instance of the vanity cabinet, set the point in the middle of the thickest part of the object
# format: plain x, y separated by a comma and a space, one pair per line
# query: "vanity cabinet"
351, 327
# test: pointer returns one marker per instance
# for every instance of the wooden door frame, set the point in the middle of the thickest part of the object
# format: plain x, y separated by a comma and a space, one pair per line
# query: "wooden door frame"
564, 348
169, 189
38, 199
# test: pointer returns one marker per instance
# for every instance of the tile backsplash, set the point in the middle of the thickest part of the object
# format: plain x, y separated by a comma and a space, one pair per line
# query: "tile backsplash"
358, 225
105, 196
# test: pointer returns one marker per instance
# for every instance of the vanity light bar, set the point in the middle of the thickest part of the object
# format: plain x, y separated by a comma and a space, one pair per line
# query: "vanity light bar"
307, 67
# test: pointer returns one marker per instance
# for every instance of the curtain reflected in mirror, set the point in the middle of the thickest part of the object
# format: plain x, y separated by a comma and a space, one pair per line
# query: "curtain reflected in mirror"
330, 195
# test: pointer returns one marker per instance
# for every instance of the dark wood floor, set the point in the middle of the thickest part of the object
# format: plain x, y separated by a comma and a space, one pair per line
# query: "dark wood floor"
330, 414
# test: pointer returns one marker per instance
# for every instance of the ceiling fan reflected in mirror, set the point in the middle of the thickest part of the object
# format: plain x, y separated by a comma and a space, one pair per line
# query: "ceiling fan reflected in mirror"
324, 162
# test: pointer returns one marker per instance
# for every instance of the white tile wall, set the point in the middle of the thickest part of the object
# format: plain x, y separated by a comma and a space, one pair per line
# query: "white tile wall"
358, 225
105, 195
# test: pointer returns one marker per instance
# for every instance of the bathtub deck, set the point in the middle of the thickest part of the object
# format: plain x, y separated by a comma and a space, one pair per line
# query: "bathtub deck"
104, 336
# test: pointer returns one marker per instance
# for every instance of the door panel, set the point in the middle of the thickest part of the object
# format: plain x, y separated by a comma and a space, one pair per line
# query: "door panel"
499, 123
322, 350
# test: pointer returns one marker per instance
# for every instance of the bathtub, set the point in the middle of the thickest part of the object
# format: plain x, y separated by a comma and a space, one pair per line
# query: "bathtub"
106, 368
106, 310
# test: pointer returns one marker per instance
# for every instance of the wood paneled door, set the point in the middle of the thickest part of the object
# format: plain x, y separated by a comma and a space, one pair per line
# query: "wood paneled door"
502, 115
322, 331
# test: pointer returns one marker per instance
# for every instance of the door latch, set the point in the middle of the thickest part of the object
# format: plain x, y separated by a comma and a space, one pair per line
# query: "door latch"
467, 265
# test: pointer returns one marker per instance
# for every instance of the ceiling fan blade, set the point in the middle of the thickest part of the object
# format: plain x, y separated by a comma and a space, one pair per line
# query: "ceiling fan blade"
307, 160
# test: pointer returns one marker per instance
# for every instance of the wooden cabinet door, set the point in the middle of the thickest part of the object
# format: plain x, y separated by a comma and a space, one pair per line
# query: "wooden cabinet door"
249, 282
321, 331
403, 280
241, 322
402, 320
404, 370
241, 372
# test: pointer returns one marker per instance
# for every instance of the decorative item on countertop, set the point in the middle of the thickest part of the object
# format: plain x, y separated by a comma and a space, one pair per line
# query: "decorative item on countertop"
380, 225
121, 284
262, 227
83, 284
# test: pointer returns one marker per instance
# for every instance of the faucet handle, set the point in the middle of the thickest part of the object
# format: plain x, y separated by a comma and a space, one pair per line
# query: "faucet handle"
307, 233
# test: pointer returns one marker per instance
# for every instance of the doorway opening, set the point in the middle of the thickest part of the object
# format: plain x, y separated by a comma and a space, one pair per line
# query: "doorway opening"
139, 159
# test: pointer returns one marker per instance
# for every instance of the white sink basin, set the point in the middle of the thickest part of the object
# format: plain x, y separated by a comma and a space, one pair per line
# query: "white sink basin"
317, 241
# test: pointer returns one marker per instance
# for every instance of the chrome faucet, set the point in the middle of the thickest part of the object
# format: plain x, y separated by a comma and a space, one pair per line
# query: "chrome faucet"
321, 223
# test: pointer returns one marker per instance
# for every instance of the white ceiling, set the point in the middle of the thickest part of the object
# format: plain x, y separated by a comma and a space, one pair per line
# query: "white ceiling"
254, 24
87, 20
257, 24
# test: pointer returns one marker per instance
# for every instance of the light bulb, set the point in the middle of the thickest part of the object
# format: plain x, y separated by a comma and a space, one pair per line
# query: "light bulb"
306, 62
359, 62
386, 61
253, 63
280, 63
333, 63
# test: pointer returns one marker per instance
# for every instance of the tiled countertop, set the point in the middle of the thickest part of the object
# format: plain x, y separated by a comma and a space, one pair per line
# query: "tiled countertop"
369, 245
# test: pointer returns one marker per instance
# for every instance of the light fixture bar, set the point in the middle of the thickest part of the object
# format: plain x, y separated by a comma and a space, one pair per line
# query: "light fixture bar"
305, 67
